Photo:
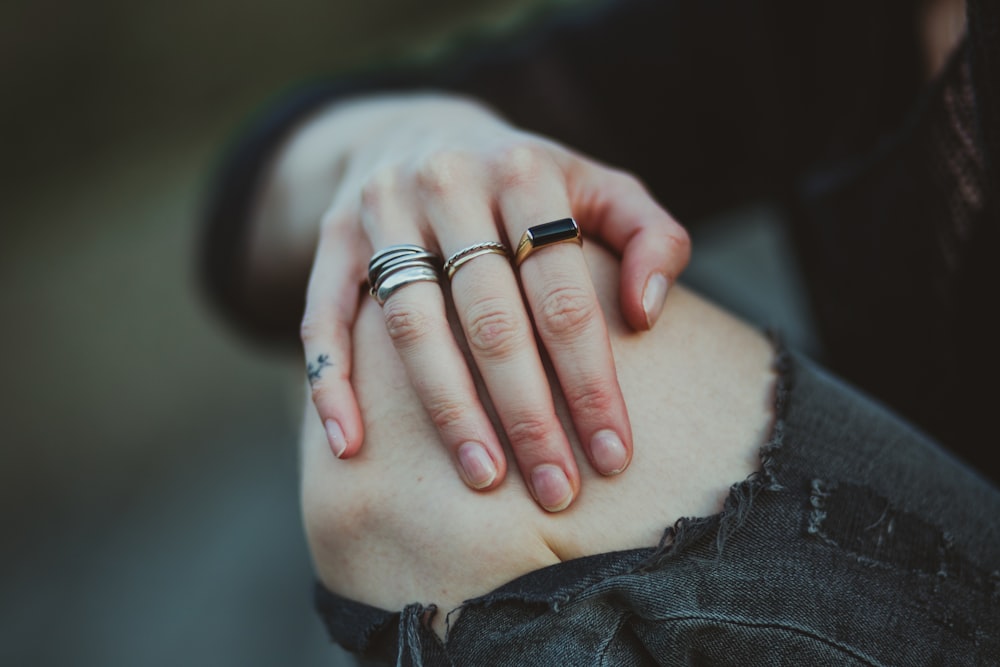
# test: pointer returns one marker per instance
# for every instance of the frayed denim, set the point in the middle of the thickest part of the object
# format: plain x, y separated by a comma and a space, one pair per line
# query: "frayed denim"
859, 541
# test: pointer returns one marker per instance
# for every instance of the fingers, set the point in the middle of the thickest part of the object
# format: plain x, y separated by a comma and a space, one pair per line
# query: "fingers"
567, 316
655, 248
502, 343
499, 334
450, 201
417, 323
331, 304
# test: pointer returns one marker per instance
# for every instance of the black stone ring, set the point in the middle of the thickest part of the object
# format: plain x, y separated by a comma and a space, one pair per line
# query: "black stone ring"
539, 236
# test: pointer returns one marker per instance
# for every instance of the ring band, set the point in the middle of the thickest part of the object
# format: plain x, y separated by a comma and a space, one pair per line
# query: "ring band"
468, 254
399, 279
551, 233
389, 258
398, 266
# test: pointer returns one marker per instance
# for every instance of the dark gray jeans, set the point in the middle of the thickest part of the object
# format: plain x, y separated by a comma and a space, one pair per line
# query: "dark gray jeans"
859, 542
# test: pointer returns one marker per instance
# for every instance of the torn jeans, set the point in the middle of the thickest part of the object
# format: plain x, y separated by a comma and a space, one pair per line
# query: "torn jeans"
858, 542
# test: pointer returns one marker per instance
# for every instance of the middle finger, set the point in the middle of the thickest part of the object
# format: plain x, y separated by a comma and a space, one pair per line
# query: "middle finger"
498, 330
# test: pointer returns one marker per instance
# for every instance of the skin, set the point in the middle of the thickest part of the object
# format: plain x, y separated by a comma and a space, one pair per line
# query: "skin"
941, 26
446, 173
398, 526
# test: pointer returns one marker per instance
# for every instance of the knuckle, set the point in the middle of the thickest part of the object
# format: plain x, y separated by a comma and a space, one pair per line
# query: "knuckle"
405, 324
521, 162
442, 172
617, 182
626, 184
447, 413
592, 397
309, 328
336, 223
529, 433
318, 394
678, 243
566, 311
493, 329
379, 187
625, 178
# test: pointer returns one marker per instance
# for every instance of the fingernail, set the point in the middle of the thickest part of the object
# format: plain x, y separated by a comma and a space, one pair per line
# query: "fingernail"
608, 452
477, 465
552, 487
653, 296
338, 443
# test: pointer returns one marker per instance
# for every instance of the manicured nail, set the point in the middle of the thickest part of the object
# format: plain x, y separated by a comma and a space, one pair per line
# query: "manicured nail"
551, 487
477, 465
608, 452
338, 443
653, 296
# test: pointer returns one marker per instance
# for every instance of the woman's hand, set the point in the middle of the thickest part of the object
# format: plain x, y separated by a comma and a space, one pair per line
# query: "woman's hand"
445, 174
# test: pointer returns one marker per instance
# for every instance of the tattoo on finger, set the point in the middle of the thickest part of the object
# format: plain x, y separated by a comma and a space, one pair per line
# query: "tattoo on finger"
314, 370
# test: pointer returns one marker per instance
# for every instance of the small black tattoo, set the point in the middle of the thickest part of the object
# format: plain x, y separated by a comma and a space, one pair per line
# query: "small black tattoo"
313, 371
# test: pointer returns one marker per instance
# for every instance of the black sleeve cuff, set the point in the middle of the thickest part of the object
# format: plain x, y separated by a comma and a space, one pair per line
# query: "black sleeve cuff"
231, 196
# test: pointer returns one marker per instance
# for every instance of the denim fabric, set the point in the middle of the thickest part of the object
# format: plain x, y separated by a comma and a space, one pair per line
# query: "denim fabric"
859, 542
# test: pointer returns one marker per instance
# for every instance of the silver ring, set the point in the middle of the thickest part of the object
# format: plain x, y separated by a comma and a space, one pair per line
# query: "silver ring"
389, 258
398, 266
468, 254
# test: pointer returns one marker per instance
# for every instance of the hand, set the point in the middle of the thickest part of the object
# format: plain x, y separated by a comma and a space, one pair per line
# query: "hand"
446, 174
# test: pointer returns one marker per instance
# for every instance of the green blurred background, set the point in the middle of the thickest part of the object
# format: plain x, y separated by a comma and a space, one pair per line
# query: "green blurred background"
148, 472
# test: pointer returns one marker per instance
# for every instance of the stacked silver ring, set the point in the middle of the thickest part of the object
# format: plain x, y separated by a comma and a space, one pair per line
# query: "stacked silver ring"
398, 266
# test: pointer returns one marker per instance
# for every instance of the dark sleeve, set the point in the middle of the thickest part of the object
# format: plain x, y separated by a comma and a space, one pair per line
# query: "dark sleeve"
984, 34
649, 86
710, 102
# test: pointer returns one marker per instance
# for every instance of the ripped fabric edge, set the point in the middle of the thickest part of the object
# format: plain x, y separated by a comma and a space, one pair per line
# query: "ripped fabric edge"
687, 530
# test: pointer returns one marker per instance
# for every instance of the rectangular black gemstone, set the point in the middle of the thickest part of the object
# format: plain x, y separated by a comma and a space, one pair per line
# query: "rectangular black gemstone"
553, 232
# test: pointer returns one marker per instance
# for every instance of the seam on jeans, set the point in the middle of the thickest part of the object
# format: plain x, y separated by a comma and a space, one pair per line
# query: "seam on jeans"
739, 502
551, 601
862, 526
832, 643
603, 659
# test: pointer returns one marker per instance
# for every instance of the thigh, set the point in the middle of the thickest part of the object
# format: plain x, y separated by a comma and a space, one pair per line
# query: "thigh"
820, 528
396, 525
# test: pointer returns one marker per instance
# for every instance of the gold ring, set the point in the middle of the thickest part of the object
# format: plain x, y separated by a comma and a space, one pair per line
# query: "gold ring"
550, 233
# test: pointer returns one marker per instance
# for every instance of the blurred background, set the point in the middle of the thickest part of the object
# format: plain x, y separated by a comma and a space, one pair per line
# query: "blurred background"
148, 475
